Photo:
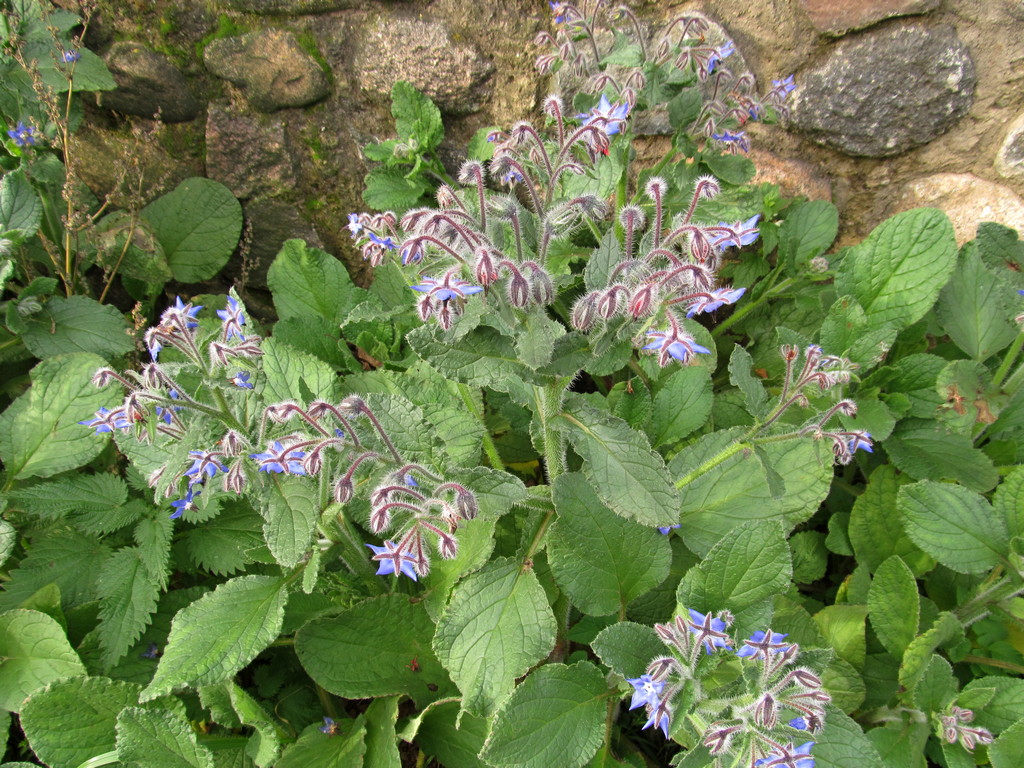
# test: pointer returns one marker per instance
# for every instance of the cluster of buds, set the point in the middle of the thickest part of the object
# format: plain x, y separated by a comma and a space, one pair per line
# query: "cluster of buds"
754, 725
821, 372
328, 441
674, 271
731, 101
955, 726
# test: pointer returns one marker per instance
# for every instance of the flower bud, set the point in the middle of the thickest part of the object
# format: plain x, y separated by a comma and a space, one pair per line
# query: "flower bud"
632, 217
643, 302
234, 478
466, 505
608, 304
518, 290
584, 313
343, 489
656, 187
446, 197
484, 270
542, 289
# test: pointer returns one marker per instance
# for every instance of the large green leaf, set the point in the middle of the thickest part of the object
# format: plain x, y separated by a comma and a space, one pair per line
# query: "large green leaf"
954, 525
976, 308
315, 750
159, 738
894, 605
381, 749
33, 653
389, 189
556, 717
198, 224
220, 633
309, 282
842, 744
807, 231
294, 375
454, 738
925, 451
897, 272
482, 358
681, 405
129, 597
66, 558
369, 650
627, 647
601, 560
290, 513
73, 720
629, 478
497, 625
416, 116
39, 433
875, 532
20, 208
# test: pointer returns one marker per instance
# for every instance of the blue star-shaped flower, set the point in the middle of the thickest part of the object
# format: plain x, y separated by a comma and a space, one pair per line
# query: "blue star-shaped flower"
70, 56
610, 117
23, 135
789, 757
188, 310
329, 727
241, 380
678, 345
709, 630
724, 51
646, 691
449, 288
232, 318
280, 459
355, 226
712, 301
205, 465
664, 529
737, 140
164, 414
740, 233
660, 718
107, 420
187, 504
859, 440
763, 644
385, 242
785, 86
388, 556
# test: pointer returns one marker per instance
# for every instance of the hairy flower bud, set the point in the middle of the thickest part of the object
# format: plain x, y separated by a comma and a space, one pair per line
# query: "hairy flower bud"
446, 197
632, 217
644, 301
343, 489
518, 290
542, 289
584, 313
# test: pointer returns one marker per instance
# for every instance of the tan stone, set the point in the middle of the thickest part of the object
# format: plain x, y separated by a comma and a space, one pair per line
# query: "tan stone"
967, 199
836, 17
796, 178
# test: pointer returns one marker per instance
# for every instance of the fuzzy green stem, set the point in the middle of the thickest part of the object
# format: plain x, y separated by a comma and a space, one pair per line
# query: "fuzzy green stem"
1008, 360
728, 452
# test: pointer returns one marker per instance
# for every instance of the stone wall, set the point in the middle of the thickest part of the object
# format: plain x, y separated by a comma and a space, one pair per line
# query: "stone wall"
901, 102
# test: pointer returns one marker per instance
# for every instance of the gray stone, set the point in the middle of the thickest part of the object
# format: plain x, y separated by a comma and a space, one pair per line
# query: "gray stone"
147, 83
269, 224
886, 91
1010, 158
247, 152
455, 75
967, 200
270, 67
836, 17
289, 7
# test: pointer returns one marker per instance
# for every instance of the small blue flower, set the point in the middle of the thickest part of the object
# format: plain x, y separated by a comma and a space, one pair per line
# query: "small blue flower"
70, 56
164, 414
449, 288
709, 630
189, 312
785, 86
205, 465
660, 718
23, 135
789, 757
385, 242
280, 459
737, 140
355, 226
388, 555
107, 421
745, 233
187, 504
714, 300
329, 727
763, 644
151, 652
724, 51
664, 529
646, 691
680, 346
799, 723
859, 440
232, 318
241, 380
559, 12
610, 117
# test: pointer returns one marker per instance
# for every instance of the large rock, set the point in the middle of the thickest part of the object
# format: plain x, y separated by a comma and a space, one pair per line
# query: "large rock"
270, 223
886, 91
455, 75
247, 152
967, 200
1010, 158
836, 17
270, 67
147, 83
289, 7
796, 178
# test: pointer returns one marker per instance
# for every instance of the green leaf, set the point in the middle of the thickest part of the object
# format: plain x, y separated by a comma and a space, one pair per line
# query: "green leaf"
1006, 706
497, 625
1008, 502
875, 532
287, 371
627, 475
290, 514
159, 739
1005, 751
894, 605
8, 538
482, 358
66, 558
309, 282
129, 597
925, 451
416, 116
153, 535
602, 561
754, 396
388, 189
843, 626
897, 272
602, 261
198, 224
627, 647
318, 750
73, 720
77, 493
39, 433
265, 744
684, 108
220, 633
536, 339
20, 208
937, 686
976, 308
954, 525
381, 749
225, 544
945, 629
453, 747
556, 717
369, 649
842, 744
732, 169
33, 653
846, 331
141, 257
807, 231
